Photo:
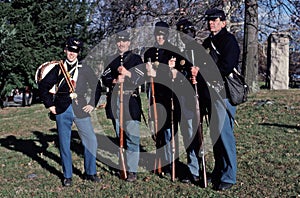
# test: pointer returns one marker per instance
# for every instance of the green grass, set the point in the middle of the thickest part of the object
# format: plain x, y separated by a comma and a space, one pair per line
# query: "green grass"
267, 147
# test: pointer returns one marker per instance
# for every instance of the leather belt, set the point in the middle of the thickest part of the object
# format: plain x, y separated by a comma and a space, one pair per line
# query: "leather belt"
129, 92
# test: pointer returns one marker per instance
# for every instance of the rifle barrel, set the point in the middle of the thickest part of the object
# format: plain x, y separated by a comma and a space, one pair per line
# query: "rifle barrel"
200, 129
122, 161
157, 163
173, 133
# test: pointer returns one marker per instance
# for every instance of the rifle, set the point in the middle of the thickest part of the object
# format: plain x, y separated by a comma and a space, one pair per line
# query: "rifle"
172, 134
123, 173
200, 129
172, 68
157, 163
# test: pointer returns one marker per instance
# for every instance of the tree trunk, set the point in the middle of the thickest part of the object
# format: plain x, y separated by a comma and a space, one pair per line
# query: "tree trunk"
250, 53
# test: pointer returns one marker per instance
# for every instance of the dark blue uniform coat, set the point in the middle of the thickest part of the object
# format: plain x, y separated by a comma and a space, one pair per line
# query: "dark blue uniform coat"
132, 102
61, 100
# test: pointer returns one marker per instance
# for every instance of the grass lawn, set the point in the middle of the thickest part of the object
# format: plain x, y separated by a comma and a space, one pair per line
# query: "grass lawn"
268, 150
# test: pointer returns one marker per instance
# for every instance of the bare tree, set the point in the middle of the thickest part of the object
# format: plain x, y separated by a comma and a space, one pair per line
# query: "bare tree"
250, 48
258, 17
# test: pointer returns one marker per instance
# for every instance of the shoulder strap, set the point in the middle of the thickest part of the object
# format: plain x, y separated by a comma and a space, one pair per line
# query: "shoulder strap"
234, 68
214, 47
127, 58
66, 76
236, 71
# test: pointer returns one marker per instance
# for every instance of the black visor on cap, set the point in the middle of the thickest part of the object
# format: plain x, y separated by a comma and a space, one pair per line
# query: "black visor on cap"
73, 49
162, 24
189, 31
161, 28
184, 24
160, 32
189, 28
214, 13
122, 36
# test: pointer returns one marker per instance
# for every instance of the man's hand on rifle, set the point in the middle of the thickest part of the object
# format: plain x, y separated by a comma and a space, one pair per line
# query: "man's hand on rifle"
150, 71
115, 81
194, 71
121, 78
174, 73
172, 63
123, 71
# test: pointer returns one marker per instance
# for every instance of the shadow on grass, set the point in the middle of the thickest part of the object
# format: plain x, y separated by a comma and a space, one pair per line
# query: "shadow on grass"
32, 149
37, 149
281, 125
109, 147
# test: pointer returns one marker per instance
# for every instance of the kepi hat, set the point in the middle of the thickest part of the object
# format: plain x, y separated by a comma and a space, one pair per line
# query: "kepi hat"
123, 36
73, 45
184, 25
161, 28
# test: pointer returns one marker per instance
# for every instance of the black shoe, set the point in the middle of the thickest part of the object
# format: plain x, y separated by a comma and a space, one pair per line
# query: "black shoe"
67, 182
166, 171
186, 180
93, 178
166, 175
191, 179
131, 177
208, 179
222, 186
195, 178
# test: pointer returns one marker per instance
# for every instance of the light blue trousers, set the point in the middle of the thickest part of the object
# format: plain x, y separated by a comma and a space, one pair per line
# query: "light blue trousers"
86, 132
191, 145
225, 146
131, 144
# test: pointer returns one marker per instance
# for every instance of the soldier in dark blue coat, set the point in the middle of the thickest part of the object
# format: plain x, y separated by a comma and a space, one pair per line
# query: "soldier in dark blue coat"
68, 106
125, 67
224, 49
190, 120
163, 56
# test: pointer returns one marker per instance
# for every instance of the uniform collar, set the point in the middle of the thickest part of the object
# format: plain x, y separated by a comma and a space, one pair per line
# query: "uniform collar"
220, 33
73, 64
126, 53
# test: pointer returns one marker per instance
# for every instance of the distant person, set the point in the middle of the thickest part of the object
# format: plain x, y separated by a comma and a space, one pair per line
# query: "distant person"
27, 96
68, 107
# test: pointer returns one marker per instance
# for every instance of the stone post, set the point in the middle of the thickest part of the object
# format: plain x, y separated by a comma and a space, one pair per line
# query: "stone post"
278, 60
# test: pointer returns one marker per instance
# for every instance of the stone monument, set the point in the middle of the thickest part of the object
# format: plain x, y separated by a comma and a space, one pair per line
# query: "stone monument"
278, 60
